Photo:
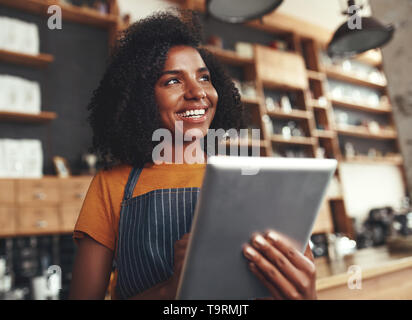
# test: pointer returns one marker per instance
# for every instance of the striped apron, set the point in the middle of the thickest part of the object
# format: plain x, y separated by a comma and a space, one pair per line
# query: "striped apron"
149, 226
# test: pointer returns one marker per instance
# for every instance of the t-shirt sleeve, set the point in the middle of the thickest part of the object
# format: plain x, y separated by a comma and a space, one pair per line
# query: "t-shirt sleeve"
96, 218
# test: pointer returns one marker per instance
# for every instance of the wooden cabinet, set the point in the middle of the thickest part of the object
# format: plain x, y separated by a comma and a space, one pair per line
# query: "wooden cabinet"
37, 220
7, 221
40, 206
74, 189
69, 214
37, 192
7, 191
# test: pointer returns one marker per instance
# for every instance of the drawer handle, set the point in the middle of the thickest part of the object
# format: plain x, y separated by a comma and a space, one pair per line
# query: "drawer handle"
40, 195
41, 223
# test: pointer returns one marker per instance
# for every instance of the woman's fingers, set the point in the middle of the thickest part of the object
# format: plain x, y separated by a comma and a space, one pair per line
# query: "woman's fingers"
276, 257
272, 289
299, 260
271, 273
309, 254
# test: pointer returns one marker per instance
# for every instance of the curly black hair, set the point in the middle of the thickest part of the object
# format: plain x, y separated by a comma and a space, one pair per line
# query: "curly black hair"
123, 111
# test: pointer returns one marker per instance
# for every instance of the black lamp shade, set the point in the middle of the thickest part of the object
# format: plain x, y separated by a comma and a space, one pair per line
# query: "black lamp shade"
347, 42
239, 11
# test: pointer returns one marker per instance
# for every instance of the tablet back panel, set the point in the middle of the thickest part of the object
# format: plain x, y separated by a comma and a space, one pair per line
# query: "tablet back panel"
285, 195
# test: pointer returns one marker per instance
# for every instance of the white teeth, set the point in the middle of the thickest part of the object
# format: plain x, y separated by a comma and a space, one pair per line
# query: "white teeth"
197, 113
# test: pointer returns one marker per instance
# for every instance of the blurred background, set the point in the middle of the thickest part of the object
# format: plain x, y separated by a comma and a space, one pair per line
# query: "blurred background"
310, 84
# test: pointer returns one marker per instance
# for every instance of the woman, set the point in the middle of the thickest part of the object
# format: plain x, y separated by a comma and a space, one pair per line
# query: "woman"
137, 214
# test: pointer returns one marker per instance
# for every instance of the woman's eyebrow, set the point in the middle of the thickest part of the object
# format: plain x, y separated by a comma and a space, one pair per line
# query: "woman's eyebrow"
202, 69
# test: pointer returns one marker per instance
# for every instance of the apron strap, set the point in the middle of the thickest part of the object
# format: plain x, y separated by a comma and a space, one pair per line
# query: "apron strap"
131, 183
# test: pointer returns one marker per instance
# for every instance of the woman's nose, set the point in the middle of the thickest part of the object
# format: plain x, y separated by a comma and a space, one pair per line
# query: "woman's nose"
194, 91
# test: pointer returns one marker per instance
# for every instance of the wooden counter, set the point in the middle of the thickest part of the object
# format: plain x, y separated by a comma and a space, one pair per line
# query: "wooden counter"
384, 275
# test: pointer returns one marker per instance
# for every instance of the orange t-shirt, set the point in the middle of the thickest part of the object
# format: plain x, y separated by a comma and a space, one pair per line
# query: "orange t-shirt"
100, 213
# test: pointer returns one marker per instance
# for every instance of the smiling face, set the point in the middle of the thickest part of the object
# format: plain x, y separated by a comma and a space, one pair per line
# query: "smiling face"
184, 92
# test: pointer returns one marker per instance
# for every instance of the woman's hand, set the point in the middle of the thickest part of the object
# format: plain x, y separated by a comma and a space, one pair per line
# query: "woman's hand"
286, 272
180, 247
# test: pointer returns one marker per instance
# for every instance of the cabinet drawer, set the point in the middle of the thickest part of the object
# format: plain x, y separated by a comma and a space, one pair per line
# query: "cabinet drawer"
69, 216
35, 220
74, 189
37, 192
7, 192
7, 221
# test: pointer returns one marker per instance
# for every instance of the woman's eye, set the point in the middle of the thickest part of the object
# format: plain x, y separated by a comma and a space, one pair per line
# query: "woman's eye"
205, 77
171, 81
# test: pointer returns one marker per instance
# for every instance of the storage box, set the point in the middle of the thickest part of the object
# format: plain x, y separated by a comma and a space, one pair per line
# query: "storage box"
21, 158
19, 36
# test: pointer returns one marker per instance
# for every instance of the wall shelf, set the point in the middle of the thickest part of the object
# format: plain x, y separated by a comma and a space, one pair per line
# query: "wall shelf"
249, 143
325, 134
360, 107
363, 132
39, 61
279, 86
302, 141
315, 75
44, 116
250, 101
294, 114
229, 57
392, 160
338, 73
69, 12
315, 104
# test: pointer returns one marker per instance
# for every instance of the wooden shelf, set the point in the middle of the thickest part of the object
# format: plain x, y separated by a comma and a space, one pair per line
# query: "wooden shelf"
394, 160
371, 57
315, 104
325, 134
294, 114
38, 61
302, 141
362, 132
44, 116
229, 57
360, 107
339, 74
315, 75
250, 101
277, 85
69, 12
249, 143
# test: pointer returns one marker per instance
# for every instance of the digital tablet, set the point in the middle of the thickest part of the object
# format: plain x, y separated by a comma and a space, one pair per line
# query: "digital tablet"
240, 196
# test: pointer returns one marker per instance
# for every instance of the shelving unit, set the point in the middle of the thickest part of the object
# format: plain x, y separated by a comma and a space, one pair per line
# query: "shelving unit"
32, 207
282, 71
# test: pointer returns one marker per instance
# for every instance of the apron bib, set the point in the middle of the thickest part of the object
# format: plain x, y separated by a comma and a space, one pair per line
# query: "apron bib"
149, 226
